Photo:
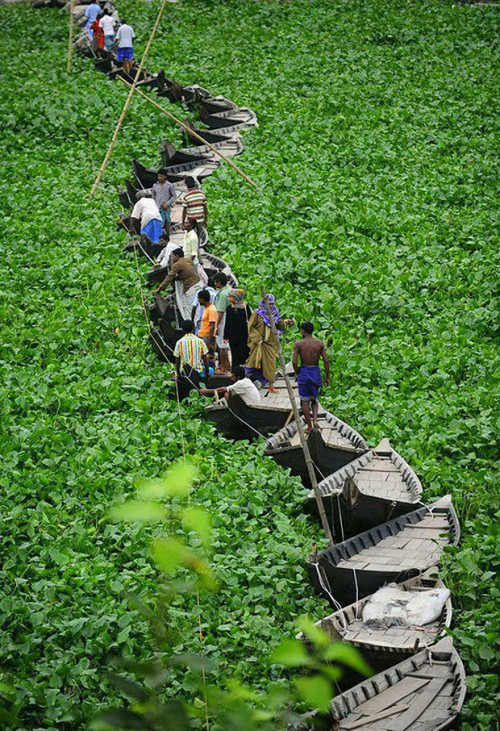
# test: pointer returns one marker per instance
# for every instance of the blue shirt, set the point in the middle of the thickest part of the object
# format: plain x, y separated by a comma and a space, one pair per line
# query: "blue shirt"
92, 11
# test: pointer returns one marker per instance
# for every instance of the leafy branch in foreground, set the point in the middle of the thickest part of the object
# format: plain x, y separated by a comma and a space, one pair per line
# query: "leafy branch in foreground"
184, 569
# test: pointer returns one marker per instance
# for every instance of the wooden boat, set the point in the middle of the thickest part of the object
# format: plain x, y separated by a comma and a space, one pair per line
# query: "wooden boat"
375, 487
394, 551
422, 693
237, 420
148, 248
216, 104
162, 306
147, 177
188, 380
172, 156
131, 191
334, 445
171, 333
239, 116
213, 264
124, 199
105, 65
211, 136
382, 646
160, 347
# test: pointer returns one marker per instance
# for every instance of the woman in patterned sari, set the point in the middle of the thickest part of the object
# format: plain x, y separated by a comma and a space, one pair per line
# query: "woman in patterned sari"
263, 344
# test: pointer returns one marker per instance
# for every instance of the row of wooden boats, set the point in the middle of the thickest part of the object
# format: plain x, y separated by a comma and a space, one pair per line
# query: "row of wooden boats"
385, 568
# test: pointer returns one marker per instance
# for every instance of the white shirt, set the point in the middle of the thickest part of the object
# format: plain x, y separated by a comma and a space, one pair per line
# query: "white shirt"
108, 25
125, 36
166, 253
247, 390
190, 246
146, 210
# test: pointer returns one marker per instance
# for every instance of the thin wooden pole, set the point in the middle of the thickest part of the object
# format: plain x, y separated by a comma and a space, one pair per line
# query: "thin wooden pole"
195, 134
70, 36
128, 101
300, 431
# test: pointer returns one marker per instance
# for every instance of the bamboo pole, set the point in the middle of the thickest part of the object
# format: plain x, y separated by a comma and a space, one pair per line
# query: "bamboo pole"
128, 100
300, 431
194, 134
70, 36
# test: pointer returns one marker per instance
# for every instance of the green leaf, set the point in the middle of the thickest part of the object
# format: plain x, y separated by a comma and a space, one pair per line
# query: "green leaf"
139, 511
348, 655
197, 519
316, 691
169, 554
291, 653
314, 633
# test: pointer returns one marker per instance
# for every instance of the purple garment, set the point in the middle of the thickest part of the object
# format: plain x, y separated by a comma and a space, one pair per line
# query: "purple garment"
309, 382
262, 310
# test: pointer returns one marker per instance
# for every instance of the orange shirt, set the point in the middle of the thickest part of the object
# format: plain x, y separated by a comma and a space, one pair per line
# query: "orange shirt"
209, 316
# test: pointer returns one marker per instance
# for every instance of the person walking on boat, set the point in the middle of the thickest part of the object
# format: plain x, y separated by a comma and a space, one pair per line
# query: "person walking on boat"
107, 23
125, 46
242, 386
91, 12
208, 321
191, 246
164, 196
187, 283
97, 34
310, 350
236, 330
147, 215
190, 351
198, 309
263, 345
195, 205
221, 305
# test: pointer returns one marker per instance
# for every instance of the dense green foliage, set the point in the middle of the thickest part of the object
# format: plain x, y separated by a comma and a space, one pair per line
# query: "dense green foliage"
375, 151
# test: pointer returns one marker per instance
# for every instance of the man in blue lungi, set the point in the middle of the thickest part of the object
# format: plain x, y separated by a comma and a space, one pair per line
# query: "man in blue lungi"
146, 215
309, 381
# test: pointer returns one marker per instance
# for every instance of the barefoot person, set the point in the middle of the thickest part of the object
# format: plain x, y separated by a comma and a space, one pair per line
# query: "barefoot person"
124, 40
164, 196
310, 350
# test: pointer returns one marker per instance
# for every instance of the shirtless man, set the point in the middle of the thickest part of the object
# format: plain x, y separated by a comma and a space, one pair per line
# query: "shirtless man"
310, 350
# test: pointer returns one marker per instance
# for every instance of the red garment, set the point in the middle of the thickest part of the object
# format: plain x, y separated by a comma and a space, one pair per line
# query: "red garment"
98, 34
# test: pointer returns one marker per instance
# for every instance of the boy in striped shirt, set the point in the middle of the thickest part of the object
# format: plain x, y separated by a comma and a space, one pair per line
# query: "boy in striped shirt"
195, 204
190, 350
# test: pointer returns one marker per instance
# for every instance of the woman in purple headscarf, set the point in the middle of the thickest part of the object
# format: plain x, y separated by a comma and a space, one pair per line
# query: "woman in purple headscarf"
261, 363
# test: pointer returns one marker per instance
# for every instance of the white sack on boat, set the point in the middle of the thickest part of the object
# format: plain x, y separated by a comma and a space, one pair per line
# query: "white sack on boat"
391, 606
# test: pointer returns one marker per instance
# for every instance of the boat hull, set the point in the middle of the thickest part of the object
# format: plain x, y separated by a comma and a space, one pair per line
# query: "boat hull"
326, 459
347, 520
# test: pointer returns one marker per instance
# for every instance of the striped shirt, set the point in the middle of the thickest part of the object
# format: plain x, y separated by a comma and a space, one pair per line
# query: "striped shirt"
194, 203
190, 350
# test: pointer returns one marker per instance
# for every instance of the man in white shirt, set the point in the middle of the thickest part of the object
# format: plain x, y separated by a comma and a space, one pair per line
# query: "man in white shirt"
147, 214
125, 46
242, 386
107, 24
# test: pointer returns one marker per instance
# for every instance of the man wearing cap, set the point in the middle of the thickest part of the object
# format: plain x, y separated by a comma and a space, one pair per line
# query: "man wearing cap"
309, 381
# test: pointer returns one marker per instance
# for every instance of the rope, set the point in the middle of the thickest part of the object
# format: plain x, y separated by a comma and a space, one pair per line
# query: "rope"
197, 593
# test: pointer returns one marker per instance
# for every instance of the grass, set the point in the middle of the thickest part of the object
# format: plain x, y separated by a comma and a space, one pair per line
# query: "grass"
376, 154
